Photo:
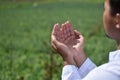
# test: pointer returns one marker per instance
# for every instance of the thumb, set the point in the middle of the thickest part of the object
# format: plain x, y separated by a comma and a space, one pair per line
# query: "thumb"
54, 42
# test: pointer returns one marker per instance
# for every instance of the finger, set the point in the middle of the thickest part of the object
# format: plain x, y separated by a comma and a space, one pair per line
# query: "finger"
53, 39
66, 33
60, 36
54, 46
67, 29
71, 31
55, 28
53, 35
77, 34
58, 46
56, 31
81, 37
63, 31
70, 28
68, 23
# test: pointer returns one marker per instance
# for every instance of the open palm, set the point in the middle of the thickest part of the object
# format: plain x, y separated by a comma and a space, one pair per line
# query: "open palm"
72, 38
67, 41
59, 46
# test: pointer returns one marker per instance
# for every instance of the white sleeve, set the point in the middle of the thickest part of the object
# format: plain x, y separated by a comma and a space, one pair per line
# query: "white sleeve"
86, 67
70, 72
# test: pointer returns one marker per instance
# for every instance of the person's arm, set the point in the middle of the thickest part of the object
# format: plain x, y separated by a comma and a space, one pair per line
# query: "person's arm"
62, 43
84, 64
71, 72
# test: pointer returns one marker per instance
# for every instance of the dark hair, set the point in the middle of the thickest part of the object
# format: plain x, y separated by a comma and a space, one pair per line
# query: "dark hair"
115, 7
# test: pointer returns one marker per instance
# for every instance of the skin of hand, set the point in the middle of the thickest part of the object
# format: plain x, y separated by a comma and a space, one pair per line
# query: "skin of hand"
68, 41
57, 43
75, 41
80, 55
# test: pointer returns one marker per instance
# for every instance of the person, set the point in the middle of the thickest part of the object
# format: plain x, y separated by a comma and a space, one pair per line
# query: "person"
69, 43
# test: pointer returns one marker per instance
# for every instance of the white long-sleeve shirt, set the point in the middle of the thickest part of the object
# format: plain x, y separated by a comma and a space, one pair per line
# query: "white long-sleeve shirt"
88, 71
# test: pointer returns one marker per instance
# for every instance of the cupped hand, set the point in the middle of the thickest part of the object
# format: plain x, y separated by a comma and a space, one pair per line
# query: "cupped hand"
75, 41
79, 46
69, 43
72, 38
59, 46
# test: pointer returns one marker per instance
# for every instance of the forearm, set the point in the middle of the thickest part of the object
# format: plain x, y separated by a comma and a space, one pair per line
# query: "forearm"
80, 58
85, 65
68, 62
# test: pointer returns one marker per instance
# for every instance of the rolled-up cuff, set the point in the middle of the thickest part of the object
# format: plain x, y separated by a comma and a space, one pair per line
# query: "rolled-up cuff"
87, 66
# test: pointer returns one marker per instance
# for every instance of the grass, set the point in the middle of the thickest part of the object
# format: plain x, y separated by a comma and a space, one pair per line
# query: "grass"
25, 30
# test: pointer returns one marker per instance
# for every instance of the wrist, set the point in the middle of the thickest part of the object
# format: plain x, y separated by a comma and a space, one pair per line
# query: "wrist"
80, 58
68, 61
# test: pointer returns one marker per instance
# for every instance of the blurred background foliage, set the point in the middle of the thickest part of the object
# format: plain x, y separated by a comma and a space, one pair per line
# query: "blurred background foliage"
54, 0
25, 32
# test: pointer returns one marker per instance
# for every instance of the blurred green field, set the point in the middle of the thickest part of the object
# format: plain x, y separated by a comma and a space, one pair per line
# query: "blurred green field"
25, 31
93, 1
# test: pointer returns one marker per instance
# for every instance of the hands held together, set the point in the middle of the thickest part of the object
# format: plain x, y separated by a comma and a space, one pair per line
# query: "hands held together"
69, 43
